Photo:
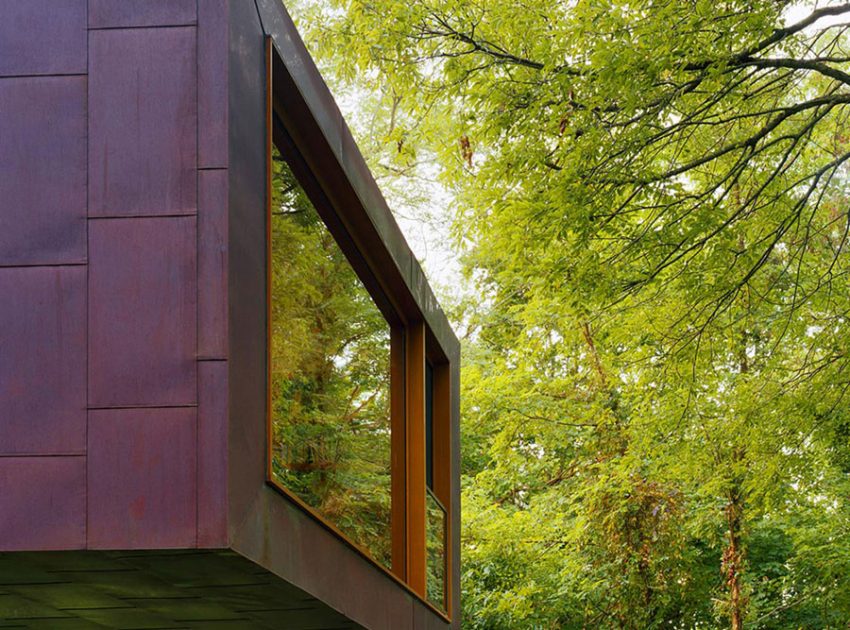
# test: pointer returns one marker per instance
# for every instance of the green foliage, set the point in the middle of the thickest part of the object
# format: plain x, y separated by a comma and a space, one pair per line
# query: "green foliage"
651, 203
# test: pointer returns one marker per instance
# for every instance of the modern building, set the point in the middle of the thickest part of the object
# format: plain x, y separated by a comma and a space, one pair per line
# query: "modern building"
228, 396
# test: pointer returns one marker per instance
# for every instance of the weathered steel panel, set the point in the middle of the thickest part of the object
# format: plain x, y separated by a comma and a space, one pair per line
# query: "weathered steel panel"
246, 261
42, 503
142, 478
294, 546
425, 619
212, 83
42, 360
42, 169
167, 475
212, 263
143, 122
112, 13
142, 312
212, 454
42, 37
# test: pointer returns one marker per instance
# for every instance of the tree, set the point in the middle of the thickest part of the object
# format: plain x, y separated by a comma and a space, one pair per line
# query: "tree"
652, 203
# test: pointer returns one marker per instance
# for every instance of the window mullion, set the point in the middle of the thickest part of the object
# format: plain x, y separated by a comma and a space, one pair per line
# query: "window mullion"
399, 452
415, 481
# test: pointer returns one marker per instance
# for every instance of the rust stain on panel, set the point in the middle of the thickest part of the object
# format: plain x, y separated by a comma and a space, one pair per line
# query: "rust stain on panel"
141, 478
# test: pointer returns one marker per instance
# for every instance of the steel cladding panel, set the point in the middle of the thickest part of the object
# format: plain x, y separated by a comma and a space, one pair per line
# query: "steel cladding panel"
213, 28
42, 37
141, 478
42, 503
212, 454
142, 312
115, 13
212, 263
42, 170
142, 122
99, 272
42, 360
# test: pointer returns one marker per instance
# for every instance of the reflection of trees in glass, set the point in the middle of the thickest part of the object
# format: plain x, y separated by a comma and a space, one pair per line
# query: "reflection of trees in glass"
435, 584
330, 367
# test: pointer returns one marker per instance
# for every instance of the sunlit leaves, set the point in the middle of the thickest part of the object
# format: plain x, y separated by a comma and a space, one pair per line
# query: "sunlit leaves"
652, 201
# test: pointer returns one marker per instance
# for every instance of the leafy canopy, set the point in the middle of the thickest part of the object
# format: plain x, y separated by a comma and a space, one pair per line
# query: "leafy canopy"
651, 201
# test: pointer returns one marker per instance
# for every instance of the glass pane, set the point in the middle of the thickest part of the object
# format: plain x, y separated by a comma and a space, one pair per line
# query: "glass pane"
429, 425
330, 375
435, 585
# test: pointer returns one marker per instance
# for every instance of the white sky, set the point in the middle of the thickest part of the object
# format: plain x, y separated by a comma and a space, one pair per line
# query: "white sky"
797, 12
426, 226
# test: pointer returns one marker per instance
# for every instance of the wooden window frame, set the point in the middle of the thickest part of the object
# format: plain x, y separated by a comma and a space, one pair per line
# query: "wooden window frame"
411, 345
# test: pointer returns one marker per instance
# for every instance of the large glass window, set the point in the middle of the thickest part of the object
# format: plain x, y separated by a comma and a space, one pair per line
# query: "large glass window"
358, 386
329, 374
435, 513
435, 541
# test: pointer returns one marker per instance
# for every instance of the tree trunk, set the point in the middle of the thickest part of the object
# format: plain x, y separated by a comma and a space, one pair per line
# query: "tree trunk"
733, 562
733, 555
594, 355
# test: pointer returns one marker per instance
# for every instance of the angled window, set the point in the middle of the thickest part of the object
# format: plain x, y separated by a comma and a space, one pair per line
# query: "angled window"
436, 551
358, 387
330, 374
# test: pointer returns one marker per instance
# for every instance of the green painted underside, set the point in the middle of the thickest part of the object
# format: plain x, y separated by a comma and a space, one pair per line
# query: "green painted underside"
83, 590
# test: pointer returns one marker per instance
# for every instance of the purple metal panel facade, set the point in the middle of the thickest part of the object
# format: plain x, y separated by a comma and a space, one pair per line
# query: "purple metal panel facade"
42, 170
213, 28
99, 317
212, 454
42, 37
42, 360
142, 478
42, 503
212, 264
142, 312
128, 13
142, 122
132, 271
